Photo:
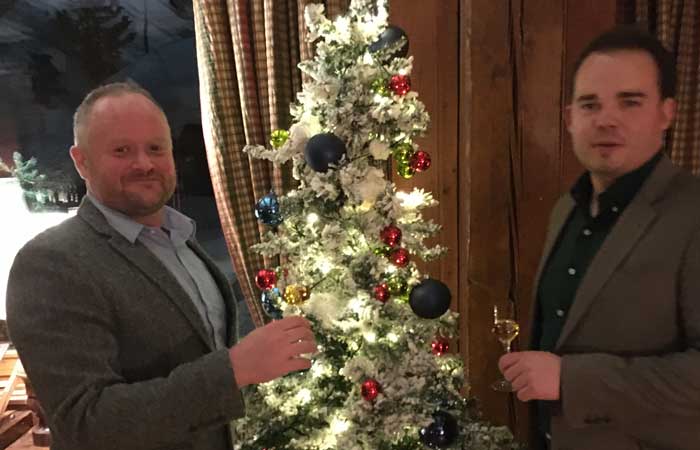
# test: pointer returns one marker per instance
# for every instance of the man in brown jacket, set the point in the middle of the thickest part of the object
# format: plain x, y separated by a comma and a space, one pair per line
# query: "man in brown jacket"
124, 325
616, 343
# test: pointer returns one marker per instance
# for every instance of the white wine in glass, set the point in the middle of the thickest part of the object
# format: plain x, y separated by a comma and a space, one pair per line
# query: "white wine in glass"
506, 330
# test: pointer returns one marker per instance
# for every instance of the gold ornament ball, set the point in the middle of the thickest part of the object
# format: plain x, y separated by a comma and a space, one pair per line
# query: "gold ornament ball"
295, 294
278, 138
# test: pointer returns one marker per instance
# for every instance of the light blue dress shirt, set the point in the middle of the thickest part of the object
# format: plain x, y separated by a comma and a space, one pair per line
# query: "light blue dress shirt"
169, 245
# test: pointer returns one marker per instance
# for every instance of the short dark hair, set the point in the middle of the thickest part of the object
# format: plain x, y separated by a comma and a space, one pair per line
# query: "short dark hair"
630, 37
81, 116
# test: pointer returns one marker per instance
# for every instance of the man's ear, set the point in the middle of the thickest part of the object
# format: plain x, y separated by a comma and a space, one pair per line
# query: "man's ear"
567, 117
668, 110
79, 160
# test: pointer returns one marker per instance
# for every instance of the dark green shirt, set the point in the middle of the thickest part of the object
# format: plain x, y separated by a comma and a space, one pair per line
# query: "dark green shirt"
577, 244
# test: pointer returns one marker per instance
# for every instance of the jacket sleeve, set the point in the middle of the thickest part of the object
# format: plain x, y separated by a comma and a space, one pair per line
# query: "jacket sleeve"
64, 331
622, 391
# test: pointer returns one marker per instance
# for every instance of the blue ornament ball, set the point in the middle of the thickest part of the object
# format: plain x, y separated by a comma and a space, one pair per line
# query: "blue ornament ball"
270, 303
267, 210
441, 433
430, 299
323, 150
390, 37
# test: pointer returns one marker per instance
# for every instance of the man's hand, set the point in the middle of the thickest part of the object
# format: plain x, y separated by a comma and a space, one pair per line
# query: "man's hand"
272, 351
534, 375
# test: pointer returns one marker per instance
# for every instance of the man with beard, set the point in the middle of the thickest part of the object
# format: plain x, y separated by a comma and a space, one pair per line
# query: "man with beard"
616, 339
124, 325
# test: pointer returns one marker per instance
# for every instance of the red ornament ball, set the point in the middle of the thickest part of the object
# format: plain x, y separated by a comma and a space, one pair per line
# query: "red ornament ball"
400, 257
266, 279
391, 235
381, 292
420, 161
440, 346
370, 389
400, 84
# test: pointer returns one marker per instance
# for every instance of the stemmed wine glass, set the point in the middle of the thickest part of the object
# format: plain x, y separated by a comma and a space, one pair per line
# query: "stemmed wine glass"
506, 330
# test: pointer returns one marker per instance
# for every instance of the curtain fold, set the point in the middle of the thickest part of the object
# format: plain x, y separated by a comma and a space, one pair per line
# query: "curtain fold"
675, 23
247, 57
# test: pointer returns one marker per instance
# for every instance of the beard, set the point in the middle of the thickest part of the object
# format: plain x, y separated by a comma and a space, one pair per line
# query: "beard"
153, 193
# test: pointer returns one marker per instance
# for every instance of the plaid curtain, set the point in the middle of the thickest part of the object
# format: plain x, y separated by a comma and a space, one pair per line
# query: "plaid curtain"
675, 23
247, 56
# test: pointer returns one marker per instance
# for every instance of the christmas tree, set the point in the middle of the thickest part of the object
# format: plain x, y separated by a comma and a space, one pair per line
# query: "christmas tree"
384, 378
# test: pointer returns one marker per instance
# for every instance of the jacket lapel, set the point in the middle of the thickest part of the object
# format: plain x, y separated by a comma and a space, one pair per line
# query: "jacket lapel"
626, 233
149, 265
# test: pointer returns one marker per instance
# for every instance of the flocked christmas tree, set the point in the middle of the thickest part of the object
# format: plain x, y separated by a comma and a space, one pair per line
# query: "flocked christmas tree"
384, 378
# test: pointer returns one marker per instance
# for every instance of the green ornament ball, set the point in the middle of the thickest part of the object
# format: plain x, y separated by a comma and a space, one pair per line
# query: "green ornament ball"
278, 138
397, 285
402, 153
380, 87
405, 171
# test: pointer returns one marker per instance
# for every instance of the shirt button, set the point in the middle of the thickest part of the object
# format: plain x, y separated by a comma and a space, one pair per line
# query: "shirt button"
560, 313
615, 209
571, 271
587, 232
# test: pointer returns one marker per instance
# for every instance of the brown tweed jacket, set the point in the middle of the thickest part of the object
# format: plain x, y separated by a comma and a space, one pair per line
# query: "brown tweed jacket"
630, 345
115, 348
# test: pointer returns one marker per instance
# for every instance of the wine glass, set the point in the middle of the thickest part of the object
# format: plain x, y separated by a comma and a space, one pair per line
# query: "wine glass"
505, 330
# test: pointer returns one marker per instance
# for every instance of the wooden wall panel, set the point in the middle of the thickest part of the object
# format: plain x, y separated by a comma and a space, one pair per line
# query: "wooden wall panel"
432, 27
485, 162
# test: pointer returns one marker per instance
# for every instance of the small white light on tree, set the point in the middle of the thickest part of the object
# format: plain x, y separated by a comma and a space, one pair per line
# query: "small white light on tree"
312, 218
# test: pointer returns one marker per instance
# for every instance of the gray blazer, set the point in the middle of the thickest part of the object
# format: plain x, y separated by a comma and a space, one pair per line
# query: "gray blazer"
631, 343
115, 348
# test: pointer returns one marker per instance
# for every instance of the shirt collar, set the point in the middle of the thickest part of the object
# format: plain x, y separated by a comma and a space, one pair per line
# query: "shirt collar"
180, 227
618, 194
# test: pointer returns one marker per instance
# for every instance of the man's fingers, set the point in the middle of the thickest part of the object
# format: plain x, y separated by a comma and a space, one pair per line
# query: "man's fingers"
508, 360
299, 334
292, 322
302, 347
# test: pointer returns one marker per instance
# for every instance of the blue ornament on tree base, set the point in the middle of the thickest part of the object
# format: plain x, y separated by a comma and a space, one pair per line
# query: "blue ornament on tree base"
441, 433
267, 210
322, 150
270, 304
430, 299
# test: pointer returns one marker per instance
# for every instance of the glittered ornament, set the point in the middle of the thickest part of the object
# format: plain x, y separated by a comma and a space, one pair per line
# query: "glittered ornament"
381, 292
440, 346
405, 171
370, 389
270, 303
397, 285
402, 153
278, 138
322, 150
266, 279
391, 235
400, 84
380, 87
430, 299
400, 257
420, 161
391, 37
267, 210
295, 294
441, 433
